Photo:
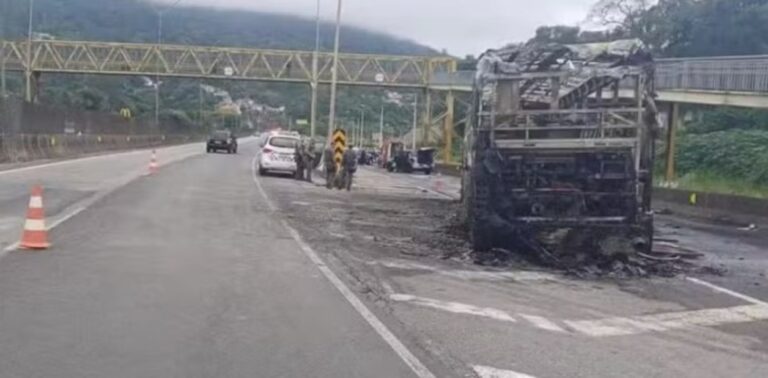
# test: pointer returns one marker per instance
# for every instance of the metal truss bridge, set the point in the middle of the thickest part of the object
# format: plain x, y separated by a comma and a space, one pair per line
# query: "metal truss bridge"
239, 63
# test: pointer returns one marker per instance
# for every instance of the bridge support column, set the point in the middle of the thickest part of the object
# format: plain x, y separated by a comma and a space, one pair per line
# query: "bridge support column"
448, 128
673, 122
427, 119
32, 79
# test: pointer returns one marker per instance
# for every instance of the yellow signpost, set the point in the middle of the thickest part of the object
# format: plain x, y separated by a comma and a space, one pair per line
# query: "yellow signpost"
339, 139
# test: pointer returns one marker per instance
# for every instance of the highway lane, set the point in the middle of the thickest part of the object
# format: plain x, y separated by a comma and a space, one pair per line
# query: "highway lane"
187, 273
72, 184
393, 233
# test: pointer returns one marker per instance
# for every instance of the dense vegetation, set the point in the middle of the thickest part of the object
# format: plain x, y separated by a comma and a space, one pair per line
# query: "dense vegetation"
136, 21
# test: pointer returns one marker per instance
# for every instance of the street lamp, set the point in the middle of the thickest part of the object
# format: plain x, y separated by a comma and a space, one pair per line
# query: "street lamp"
315, 78
334, 72
28, 71
160, 13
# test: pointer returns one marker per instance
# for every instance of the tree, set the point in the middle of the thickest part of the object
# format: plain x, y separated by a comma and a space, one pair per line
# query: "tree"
623, 14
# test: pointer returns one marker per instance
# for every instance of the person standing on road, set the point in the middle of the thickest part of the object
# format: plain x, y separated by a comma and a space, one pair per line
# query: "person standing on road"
330, 166
349, 167
308, 158
298, 156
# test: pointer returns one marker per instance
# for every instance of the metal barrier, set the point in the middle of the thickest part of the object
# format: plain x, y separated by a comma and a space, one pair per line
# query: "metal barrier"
27, 147
747, 74
720, 74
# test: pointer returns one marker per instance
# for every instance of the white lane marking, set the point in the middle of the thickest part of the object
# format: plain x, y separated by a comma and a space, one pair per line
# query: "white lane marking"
621, 326
70, 161
454, 307
726, 291
65, 217
402, 351
519, 276
491, 372
35, 202
34, 225
542, 323
78, 207
614, 326
270, 205
10, 247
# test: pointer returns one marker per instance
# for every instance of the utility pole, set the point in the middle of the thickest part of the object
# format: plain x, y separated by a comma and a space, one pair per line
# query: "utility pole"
334, 72
362, 127
3, 21
28, 71
315, 78
157, 76
381, 127
200, 104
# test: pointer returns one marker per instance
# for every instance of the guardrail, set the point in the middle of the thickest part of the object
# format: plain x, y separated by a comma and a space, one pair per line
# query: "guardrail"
719, 74
28, 147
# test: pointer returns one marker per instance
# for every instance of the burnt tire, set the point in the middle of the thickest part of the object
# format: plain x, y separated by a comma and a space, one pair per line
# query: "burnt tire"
476, 208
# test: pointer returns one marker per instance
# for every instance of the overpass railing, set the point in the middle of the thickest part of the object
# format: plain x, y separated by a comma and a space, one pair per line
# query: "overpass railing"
718, 74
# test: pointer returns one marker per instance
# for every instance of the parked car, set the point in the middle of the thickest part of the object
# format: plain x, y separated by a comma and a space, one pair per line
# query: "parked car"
277, 152
222, 140
404, 161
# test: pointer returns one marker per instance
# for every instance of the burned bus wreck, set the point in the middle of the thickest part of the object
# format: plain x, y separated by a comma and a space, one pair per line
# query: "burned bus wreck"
560, 154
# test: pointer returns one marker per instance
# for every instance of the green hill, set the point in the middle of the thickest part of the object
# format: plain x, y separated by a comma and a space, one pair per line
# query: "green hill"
136, 21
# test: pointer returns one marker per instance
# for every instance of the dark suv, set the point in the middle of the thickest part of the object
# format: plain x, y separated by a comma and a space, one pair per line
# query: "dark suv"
222, 140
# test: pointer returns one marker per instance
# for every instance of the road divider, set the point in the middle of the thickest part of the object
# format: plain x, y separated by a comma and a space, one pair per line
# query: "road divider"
29, 147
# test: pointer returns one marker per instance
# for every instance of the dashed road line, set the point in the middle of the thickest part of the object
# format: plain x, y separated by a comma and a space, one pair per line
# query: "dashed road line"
517, 276
613, 326
723, 290
455, 307
491, 372
542, 323
400, 349
621, 326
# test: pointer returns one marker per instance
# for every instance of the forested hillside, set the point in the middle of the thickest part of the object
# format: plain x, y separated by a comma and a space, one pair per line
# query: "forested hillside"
136, 21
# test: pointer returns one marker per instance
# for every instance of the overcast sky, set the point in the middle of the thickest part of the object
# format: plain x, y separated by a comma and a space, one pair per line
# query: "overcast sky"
460, 26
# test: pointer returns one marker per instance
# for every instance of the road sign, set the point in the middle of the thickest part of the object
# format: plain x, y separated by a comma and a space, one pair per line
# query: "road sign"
339, 146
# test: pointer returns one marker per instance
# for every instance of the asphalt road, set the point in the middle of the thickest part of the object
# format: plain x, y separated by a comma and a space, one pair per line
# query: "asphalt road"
206, 270
187, 273
393, 234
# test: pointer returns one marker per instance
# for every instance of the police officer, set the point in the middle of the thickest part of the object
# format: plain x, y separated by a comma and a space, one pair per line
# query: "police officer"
308, 158
349, 167
330, 166
298, 156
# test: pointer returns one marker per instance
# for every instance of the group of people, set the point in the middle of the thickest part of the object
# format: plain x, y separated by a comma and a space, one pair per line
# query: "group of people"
339, 177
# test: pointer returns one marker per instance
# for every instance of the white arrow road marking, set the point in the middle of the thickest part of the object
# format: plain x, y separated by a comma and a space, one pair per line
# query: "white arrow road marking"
491, 372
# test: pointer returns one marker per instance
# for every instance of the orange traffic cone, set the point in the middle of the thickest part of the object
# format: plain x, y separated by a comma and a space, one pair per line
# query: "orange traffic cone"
35, 235
153, 163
